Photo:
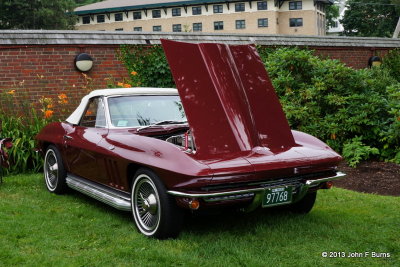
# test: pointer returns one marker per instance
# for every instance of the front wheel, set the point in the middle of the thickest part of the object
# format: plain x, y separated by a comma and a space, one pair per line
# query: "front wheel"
154, 211
54, 171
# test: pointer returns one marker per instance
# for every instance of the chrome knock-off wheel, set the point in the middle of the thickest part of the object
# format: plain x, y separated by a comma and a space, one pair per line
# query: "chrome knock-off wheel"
146, 205
51, 170
154, 211
54, 172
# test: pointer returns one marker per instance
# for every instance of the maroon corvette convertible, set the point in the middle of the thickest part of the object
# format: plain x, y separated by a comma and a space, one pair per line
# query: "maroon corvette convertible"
220, 140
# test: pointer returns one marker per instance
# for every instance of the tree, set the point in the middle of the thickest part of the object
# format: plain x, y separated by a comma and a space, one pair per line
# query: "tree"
37, 14
332, 13
368, 18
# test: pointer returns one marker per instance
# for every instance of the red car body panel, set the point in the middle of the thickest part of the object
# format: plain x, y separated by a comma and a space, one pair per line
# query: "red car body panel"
228, 98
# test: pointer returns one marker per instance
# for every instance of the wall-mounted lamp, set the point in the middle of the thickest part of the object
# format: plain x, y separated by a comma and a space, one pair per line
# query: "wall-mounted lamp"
83, 62
374, 61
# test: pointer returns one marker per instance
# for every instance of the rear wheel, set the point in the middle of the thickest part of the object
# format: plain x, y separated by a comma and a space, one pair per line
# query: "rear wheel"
54, 171
154, 211
305, 205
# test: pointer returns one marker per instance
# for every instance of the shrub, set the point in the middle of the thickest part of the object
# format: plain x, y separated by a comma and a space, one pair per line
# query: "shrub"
355, 151
392, 63
23, 123
337, 103
147, 66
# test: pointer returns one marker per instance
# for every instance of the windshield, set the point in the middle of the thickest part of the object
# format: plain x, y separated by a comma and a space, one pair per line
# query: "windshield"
134, 111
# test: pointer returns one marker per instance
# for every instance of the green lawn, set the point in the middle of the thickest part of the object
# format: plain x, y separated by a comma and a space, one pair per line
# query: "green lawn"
42, 229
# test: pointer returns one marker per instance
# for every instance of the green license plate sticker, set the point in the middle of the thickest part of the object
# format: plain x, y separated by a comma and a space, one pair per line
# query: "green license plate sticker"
277, 196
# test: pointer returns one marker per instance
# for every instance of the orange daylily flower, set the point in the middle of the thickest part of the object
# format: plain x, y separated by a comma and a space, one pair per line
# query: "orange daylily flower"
120, 84
62, 96
127, 85
50, 106
48, 113
134, 73
11, 92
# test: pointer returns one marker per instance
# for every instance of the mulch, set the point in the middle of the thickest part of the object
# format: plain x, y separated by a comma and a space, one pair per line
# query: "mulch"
382, 178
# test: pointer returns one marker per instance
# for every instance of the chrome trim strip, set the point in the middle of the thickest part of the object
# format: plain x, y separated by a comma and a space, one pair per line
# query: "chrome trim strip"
318, 181
305, 187
101, 193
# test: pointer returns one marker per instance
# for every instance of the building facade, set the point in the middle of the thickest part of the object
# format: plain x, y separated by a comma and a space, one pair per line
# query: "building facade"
306, 17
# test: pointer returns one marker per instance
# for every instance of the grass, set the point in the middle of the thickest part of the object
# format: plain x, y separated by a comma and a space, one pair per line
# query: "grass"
42, 229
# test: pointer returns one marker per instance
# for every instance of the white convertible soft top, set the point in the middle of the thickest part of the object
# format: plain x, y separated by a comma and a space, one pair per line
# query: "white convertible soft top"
75, 117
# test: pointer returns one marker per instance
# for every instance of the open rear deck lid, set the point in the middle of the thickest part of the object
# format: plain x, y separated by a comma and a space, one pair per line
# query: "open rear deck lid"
229, 100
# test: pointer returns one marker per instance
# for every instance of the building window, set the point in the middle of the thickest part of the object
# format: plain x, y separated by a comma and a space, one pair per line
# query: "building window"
296, 22
137, 15
239, 7
176, 12
156, 13
241, 24
119, 29
86, 20
262, 23
196, 10
137, 29
262, 5
218, 25
100, 18
218, 8
295, 5
157, 28
176, 27
197, 27
118, 17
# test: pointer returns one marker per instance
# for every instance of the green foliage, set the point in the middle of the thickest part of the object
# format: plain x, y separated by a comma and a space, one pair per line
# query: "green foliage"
392, 63
336, 103
37, 14
391, 136
370, 18
355, 151
24, 123
148, 65
23, 158
332, 13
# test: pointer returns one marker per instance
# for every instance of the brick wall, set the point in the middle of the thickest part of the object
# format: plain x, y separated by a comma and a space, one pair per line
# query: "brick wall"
41, 63
355, 57
49, 70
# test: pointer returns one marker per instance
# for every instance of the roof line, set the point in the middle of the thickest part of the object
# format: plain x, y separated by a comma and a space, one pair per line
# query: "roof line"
76, 38
150, 6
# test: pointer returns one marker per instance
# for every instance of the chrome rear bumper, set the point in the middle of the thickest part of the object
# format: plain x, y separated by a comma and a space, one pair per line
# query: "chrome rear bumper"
304, 187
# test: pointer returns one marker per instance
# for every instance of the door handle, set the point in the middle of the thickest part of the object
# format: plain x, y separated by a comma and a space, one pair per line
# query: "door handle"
67, 137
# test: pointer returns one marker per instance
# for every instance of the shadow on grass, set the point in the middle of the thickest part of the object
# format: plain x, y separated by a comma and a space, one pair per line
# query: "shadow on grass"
218, 221
98, 206
231, 221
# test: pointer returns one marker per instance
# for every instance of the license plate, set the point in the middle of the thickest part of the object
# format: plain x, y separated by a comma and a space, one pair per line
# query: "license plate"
277, 196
